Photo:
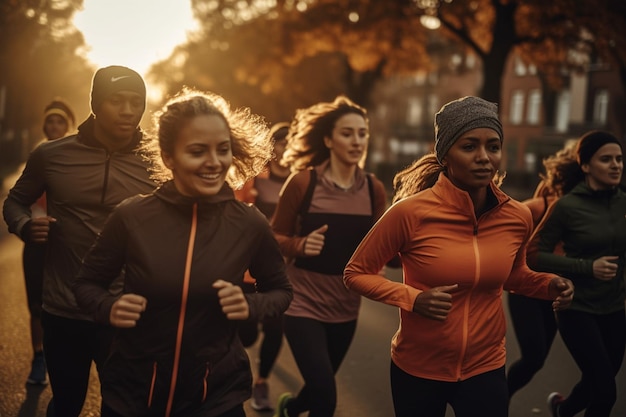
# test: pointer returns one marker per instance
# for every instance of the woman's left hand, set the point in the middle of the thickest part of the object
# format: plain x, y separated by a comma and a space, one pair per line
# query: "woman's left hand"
562, 290
232, 300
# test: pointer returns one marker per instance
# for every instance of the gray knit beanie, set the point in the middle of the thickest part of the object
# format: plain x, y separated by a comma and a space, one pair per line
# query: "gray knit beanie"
110, 80
462, 115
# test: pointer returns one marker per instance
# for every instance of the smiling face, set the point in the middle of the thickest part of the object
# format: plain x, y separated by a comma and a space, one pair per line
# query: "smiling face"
604, 169
474, 159
201, 156
348, 140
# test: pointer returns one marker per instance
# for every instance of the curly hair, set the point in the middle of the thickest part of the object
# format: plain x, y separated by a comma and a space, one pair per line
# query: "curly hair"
423, 174
305, 140
562, 172
251, 145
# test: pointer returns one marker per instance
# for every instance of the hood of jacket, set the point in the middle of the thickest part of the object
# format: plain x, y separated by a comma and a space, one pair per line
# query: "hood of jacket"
170, 194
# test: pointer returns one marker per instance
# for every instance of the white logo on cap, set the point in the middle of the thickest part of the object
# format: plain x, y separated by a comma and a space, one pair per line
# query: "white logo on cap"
113, 79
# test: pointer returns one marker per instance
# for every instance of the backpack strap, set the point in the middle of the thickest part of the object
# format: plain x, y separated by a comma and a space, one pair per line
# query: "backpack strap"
308, 194
370, 187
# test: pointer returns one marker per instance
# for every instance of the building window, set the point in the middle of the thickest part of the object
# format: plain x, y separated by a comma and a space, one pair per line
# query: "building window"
562, 111
533, 110
433, 104
415, 111
520, 67
517, 107
600, 107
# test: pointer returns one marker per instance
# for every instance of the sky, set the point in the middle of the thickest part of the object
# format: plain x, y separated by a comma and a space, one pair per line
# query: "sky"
133, 33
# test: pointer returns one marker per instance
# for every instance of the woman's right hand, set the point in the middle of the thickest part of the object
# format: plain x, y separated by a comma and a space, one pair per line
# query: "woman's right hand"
126, 310
314, 241
435, 303
605, 268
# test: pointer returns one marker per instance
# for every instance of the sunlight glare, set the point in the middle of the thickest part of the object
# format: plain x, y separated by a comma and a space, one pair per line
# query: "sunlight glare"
134, 33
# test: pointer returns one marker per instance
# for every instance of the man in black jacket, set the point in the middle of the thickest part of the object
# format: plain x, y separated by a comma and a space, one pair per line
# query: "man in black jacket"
84, 177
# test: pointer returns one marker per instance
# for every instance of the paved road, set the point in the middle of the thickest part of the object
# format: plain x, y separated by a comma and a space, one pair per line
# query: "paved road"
363, 379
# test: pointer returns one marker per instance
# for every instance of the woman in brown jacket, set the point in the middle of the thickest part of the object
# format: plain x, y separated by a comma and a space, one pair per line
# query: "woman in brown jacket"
185, 248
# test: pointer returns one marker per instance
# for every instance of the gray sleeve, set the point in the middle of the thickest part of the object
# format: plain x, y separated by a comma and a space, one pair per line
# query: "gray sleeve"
28, 188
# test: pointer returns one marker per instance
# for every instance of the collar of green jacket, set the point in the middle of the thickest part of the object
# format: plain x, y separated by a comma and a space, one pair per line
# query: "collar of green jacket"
582, 188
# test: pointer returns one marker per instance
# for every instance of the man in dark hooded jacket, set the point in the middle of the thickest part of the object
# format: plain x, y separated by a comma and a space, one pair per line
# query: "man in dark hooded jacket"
84, 177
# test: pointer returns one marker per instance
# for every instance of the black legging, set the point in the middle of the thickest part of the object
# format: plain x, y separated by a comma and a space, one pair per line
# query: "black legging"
70, 346
318, 349
33, 258
535, 328
480, 396
270, 345
597, 343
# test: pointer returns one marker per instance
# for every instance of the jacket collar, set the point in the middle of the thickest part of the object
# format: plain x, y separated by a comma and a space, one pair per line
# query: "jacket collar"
86, 136
454, 196
168, 192
583, 189
359, 176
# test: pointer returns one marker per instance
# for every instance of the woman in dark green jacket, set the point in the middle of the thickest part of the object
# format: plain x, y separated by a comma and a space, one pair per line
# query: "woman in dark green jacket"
590, 222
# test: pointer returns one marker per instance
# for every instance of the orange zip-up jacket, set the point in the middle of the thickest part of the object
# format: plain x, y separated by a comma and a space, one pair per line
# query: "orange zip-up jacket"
441, 242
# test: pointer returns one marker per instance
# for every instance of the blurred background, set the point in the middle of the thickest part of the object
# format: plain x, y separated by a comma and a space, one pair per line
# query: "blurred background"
557, 68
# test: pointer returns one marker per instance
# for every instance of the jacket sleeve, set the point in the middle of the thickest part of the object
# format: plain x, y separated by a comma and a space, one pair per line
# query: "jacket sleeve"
28, 188
523, 280
380, 198
382, 243
380, 205
543, 254
286, 218
101, 266
273, 290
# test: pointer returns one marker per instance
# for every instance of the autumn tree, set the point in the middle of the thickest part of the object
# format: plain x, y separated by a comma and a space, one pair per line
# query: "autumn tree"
39, 60
270, 49
379, 38
558, 37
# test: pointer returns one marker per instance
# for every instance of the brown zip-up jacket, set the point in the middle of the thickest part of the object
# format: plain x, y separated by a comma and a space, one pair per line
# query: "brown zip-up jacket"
184, 357
83, 182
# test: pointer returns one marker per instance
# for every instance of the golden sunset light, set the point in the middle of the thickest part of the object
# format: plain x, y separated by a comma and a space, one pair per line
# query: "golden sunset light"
133, 33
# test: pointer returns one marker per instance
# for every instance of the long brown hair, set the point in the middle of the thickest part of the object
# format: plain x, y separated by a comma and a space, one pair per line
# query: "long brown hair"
305, 141
251, 145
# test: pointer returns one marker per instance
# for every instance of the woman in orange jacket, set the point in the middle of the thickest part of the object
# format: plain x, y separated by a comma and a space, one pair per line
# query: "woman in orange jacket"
461, 241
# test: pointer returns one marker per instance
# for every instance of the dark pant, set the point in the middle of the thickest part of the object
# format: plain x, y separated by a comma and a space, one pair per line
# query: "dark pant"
270, 345
33, 259
480, 396
597, 343
70, 346
535, 328
318, 349
234, 412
